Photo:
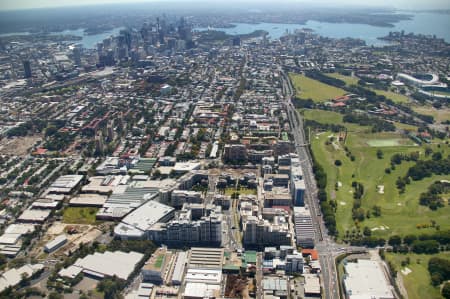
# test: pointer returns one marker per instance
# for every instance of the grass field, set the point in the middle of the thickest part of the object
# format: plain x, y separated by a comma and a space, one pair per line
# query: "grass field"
396, 97
400, 212
388, 142
347, 79
418, 282
439, 115
79, 215
307, 88
331, 117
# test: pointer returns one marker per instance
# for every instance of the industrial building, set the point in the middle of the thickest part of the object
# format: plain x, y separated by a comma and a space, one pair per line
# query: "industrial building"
123, 201
138, 223
206, 258
65, 184
14, 276
107, 264
366, 279
180, 266
55, 243
304, 230
312, 285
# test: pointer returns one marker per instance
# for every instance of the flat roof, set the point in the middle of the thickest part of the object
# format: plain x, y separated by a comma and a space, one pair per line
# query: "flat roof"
34, 215
118, 263
206, 258
366, 279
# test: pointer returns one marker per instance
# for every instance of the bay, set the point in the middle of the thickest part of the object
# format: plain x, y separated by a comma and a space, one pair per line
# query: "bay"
421, 23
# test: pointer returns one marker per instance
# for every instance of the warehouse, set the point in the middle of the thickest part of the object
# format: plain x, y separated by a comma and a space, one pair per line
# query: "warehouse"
366, 279
178, 270
55, 243
136, 224
65, 184
107, 264
124, 200
34, 216
206, 258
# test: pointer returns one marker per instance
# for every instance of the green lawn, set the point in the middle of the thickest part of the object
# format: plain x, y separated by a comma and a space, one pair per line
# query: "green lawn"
307, 88
439, 115
331, 117
418, 282
77, 215
396, 97
400, 213
347, 79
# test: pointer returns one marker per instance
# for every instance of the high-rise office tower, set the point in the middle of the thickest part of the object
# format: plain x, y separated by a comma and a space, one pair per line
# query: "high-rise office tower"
27, 68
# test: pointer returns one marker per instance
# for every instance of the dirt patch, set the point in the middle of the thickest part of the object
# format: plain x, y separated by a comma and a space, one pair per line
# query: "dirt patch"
18, 146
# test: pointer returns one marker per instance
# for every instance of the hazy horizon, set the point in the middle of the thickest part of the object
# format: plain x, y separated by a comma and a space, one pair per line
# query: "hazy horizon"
6, 5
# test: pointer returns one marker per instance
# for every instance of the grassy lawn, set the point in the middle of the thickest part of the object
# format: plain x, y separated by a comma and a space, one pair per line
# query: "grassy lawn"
159, 261
400, 212
77, 215
439, 115
396, 97
331, 117
418, 282
347, 79
317, 91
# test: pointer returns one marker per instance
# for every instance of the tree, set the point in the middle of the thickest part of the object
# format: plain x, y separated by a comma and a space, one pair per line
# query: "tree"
446, 290
379, 154
55, 295
409, 239
376, 211
338, 162
395, 240
367, 232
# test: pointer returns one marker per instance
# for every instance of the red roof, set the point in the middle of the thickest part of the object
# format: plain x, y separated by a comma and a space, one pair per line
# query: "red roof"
41, 151
312, 252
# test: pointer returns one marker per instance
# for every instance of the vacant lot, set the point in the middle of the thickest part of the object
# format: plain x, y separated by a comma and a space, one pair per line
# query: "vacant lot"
307, 88
79, 215
18, 146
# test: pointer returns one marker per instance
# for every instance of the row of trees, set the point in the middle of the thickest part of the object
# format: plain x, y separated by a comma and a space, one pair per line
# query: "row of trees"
328, 210
378, 125
316, 75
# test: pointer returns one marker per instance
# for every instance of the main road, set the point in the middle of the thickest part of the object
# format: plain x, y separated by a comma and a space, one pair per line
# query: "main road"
325, 246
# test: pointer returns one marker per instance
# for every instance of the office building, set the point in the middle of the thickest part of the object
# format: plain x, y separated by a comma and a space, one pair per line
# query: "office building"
304, 230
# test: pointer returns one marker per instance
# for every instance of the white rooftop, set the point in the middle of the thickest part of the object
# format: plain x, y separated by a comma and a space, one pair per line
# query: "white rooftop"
104, 264
365, 279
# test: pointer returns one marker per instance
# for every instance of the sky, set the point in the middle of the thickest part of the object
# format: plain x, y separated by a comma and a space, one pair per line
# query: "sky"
399, 4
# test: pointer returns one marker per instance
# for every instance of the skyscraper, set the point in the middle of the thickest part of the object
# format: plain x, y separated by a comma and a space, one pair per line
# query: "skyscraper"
27, 68
77, 55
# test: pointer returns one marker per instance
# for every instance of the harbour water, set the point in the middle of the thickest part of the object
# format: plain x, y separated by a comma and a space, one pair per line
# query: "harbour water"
423, 23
